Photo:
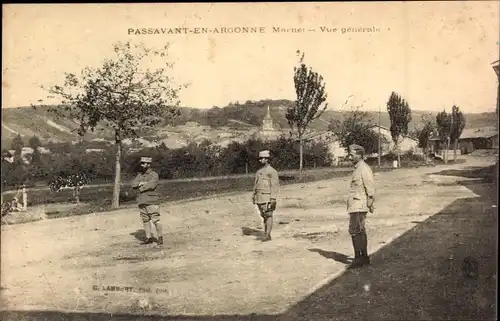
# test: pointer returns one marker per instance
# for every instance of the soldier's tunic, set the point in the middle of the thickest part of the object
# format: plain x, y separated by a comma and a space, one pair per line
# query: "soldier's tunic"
266, 187
147, 197
362, 186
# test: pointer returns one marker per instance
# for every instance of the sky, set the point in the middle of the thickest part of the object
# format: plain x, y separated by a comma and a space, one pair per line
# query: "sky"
434, 54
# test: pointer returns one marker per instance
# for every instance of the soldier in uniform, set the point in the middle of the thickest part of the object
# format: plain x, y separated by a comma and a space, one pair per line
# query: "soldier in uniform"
145, 183
360, 202
265, 192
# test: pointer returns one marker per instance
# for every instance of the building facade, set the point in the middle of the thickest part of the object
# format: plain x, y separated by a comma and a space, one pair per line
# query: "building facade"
478, 138
407, 143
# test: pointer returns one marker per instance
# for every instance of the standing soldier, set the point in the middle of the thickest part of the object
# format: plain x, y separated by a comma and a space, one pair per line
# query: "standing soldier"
265, 192
146, 183
361, 199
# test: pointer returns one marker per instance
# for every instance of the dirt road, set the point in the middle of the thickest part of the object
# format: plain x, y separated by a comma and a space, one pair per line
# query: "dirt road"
94, 263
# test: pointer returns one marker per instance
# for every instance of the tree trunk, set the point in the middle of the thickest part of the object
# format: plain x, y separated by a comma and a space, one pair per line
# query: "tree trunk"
76, 194
301, 156
399, 155
455, 143
446, 151
116, 189
25, 199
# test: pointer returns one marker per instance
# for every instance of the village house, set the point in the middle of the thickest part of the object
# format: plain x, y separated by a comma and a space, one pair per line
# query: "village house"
407, 143
338, 154
26, 153
478, 138
470, 140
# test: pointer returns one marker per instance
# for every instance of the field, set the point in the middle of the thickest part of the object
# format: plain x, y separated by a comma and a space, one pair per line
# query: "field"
213, 266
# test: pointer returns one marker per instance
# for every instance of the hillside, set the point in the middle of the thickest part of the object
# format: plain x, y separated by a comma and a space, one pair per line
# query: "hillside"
219, 125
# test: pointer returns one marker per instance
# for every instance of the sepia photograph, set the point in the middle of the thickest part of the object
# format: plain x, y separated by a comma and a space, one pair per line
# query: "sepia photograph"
250, 161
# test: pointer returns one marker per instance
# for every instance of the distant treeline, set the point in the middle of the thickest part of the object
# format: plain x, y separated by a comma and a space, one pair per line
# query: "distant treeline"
194, 160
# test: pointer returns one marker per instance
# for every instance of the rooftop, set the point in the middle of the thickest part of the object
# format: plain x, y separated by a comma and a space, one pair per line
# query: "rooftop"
482, 132
479, 132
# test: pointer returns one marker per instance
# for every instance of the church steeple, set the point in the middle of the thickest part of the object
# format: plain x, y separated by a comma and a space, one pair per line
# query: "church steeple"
268, 115
268, 129
267, 122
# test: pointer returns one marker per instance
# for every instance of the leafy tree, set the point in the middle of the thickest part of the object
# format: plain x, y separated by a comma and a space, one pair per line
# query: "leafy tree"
235, 158
35, 144
17, 145
288, 155
310, 103
357, 127
14, 174
121, 94
400, 116
456, 127
6, 173
317, 154
424, 133
214, 117
74, 180
443, 123
60, 148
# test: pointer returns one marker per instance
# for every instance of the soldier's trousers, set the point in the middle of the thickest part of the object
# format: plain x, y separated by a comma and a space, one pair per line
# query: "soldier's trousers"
264, 211
357, 223
149, 212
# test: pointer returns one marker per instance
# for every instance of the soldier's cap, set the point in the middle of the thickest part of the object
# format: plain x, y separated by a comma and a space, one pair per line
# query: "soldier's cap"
264, 154
357, 148
146, 159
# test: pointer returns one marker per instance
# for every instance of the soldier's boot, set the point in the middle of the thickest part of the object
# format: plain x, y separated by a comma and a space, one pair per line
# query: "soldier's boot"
364, 250
159, 233
149, 241
147, 230
269, 227
356, 243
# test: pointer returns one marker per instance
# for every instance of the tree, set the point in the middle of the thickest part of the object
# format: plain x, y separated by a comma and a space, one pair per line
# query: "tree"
310, 103
35, 144
400, 116
456, 127
443, 123
63, 148
288, 155
424, 133
74, 180
14, 174
17, 145
121, 94
357, 127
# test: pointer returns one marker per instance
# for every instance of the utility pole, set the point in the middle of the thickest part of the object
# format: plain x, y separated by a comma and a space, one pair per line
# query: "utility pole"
379, 149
